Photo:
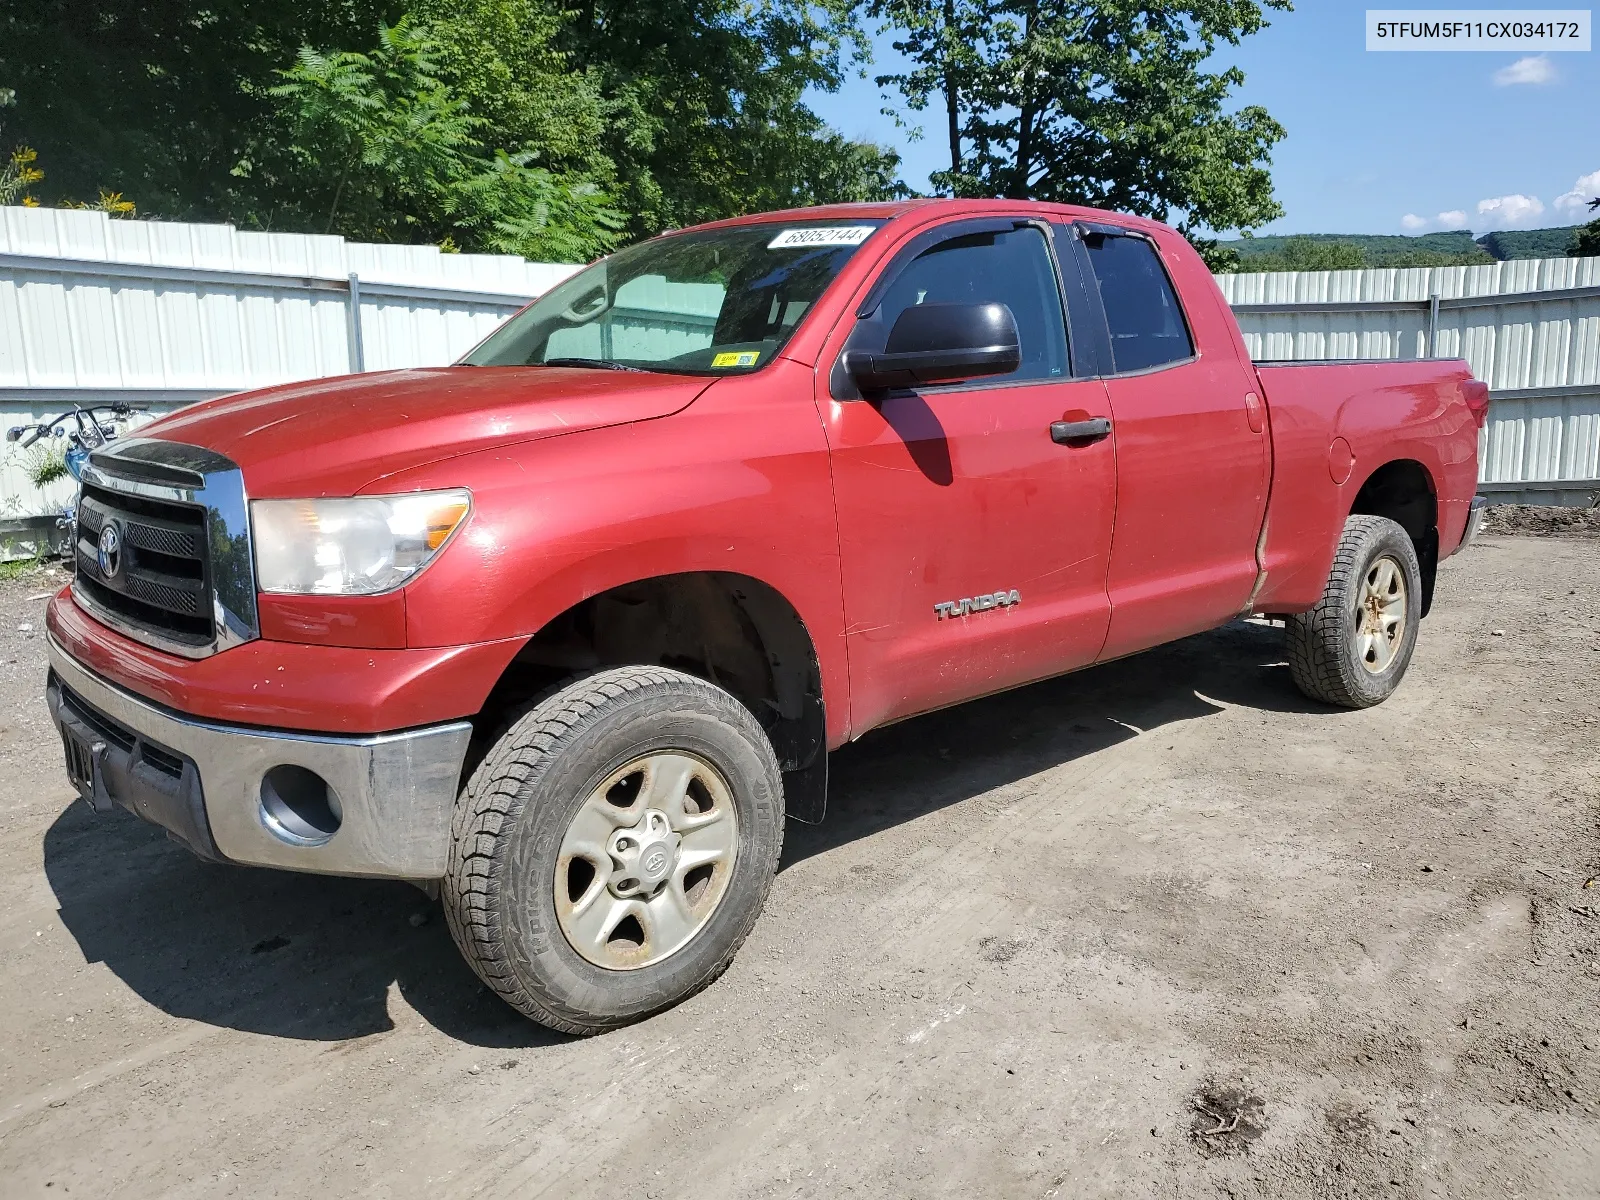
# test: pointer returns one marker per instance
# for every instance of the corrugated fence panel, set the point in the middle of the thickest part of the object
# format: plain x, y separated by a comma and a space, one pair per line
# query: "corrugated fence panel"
1304, 331
93, 310
1529, 328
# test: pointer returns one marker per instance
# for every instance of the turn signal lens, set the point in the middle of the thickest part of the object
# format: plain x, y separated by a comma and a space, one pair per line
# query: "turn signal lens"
352, 547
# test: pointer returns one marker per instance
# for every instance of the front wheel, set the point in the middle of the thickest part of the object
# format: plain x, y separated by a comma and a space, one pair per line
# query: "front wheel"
1353, 648
614, 847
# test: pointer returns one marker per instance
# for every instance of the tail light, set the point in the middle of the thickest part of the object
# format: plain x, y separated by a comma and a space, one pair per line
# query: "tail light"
1476, 393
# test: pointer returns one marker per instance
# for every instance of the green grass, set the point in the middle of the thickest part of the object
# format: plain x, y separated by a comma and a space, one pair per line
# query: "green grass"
27, 568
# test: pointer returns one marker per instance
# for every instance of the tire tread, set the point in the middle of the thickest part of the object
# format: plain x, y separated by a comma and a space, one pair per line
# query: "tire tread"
492, 803
1317, 640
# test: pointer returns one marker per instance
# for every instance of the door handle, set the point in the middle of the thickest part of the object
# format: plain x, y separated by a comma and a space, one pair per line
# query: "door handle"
1092, 430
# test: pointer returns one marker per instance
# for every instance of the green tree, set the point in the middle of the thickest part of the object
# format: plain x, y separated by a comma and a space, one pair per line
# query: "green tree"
704, 105
380, 130
501, 58
160, 101
1322, 253
512, 207
1309, 254
390, 152
1586, 242
1099, 102
680, 112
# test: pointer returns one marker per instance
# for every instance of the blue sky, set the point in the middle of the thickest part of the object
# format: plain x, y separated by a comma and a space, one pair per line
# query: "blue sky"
1449, 140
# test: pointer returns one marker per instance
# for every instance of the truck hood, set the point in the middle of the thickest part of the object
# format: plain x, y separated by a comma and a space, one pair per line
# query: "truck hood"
337, 437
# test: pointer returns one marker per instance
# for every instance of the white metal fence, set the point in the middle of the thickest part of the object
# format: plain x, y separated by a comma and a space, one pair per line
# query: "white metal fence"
1529, 328
94, 310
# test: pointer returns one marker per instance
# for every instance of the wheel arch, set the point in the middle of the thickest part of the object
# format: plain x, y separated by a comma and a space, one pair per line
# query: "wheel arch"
1404, 490
728, 628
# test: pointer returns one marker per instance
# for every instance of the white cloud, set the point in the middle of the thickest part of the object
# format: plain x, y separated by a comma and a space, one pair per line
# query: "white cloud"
1508, 212
1576, 202
1535, 69
1453, 218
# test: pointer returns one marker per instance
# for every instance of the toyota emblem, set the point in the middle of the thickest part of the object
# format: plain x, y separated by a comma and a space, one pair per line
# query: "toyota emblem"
110, 551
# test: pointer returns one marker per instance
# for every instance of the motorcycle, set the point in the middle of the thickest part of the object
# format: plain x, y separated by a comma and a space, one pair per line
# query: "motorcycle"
85, 432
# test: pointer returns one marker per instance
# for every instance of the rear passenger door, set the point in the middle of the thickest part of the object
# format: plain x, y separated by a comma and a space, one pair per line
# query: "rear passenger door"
1192, 472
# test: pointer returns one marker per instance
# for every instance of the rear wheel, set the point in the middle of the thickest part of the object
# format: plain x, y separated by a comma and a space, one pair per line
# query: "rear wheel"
615, 846
1353, 648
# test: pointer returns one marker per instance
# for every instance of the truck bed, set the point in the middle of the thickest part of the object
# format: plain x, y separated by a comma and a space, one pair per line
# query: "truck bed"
1333, 423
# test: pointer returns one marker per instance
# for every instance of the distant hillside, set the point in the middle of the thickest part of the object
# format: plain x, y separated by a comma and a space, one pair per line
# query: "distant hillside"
1352, 251
1530, 243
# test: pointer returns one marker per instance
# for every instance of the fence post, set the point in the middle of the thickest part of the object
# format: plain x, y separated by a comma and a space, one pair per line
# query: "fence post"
1433, 325
358, 355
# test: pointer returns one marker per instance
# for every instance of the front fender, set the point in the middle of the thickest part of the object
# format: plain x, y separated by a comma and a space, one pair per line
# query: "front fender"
738, 482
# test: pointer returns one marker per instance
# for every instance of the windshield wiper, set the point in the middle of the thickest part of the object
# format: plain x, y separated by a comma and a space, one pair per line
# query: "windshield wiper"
601, 363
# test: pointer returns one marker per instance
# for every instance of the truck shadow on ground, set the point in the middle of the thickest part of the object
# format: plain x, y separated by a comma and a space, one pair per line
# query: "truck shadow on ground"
315, 958
898, 773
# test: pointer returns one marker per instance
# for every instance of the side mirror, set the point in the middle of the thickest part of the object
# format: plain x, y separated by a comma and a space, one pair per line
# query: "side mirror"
940, 343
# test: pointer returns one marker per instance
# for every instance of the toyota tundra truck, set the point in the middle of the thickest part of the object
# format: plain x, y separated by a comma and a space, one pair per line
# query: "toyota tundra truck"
566, 630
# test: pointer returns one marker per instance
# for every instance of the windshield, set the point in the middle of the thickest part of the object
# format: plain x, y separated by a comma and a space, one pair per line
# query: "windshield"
721, 302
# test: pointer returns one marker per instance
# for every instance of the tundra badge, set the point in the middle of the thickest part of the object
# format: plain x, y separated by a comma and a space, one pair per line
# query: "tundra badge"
960, 608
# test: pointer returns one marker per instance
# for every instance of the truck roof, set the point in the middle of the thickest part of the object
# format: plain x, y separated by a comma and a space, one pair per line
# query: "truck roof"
889, 210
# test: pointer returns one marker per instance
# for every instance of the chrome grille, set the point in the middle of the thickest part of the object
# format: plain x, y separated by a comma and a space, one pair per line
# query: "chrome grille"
157, 577
162, 546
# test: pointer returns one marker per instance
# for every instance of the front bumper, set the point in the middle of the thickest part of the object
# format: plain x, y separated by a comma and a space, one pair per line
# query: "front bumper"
390, 794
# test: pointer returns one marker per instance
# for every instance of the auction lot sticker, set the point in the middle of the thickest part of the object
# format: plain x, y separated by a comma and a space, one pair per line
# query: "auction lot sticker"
821, 235
1542, 29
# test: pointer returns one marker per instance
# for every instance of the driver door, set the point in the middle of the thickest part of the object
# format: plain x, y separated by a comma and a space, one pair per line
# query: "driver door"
974, 547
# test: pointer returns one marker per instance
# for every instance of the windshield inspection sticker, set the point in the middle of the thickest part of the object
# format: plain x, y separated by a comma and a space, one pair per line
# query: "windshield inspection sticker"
736, 358
821, 235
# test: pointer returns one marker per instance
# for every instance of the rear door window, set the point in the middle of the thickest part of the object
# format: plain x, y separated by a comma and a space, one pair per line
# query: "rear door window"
1142, 314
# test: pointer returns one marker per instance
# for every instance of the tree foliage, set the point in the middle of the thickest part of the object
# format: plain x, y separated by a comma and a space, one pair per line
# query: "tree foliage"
20, 171
18, 174
1101, 102
1586, 241
704, 107
520, 123
377, 129
529, 124
1529, 243
1349, 252
160, 100
394, 154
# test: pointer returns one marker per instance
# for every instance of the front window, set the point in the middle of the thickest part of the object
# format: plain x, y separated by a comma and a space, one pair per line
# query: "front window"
719, 302
1010, 267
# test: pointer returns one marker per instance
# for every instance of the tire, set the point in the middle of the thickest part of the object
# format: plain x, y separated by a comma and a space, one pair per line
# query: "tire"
1345, 651
524, 830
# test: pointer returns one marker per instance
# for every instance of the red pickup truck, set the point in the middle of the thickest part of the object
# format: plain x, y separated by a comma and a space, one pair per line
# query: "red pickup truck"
567, 629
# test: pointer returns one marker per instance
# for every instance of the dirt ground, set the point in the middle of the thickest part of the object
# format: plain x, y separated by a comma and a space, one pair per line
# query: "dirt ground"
1540, 520
1160, 929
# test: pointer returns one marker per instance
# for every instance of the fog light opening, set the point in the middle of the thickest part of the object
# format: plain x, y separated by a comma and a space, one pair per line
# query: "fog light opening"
298, 805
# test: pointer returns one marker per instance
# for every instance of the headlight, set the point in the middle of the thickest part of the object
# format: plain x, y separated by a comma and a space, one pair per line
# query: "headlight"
352, 547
